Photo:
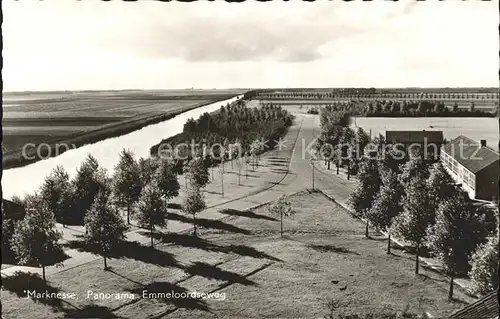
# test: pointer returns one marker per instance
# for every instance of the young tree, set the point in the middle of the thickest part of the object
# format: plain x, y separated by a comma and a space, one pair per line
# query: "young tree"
127, 183
36, 239
417, 215
148, 168
166, 181
484, 274
152, 209
239, 165
362, 198
7, 232
193, 202
362, 139
414, 167
281, 208
56, 194
488, 217
84, 188
441, 185
105, 228
387, 203
455, 235
197, 172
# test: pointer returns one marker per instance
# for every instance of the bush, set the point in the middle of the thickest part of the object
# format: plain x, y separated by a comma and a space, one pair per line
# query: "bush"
484, 273
488, 217
313, 110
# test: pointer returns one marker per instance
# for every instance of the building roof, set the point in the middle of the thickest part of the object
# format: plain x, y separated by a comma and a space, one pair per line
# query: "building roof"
470, 153
12, 210
484, 308
414, 136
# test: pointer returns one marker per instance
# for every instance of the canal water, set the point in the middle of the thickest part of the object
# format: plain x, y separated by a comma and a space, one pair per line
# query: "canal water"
25, 180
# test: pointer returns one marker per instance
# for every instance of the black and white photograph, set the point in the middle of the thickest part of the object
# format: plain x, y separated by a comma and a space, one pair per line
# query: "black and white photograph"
251, 159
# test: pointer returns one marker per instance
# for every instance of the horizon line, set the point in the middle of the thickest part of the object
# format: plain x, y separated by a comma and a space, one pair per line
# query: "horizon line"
254, 88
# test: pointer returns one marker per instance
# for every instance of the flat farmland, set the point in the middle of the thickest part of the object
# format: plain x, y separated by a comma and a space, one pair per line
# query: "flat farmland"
49, 117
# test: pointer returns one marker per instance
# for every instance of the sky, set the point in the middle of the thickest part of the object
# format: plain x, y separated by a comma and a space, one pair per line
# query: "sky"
97, 45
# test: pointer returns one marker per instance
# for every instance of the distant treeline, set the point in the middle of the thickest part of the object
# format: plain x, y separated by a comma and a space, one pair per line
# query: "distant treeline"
388, 108
371, 93
233, 124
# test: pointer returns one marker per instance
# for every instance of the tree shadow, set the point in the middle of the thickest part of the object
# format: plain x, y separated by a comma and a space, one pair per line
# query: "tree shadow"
131, 250
23, 283
331, 249
213, 272
208, 223
246, 213
171, 293
279, 171
282, 164
191, 241
243, 175
91, 311
110, 269
174, 206
249, 252
212, 192
243, 185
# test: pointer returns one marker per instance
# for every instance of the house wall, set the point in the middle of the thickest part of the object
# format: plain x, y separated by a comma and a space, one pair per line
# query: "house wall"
460, 174
487, 182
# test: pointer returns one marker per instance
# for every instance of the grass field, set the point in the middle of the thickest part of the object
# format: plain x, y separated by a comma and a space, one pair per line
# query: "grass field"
51, 117
323, 257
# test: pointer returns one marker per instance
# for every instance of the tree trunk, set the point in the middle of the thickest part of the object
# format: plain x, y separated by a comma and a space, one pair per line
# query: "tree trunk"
222, 183
105, 263
212, 172
338, 165
128, 212
194, 225
43, 273
366, 230
152, 230
389, 244
281, 231
416, 259
328, 163
348, 171
450, 293
313, 176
